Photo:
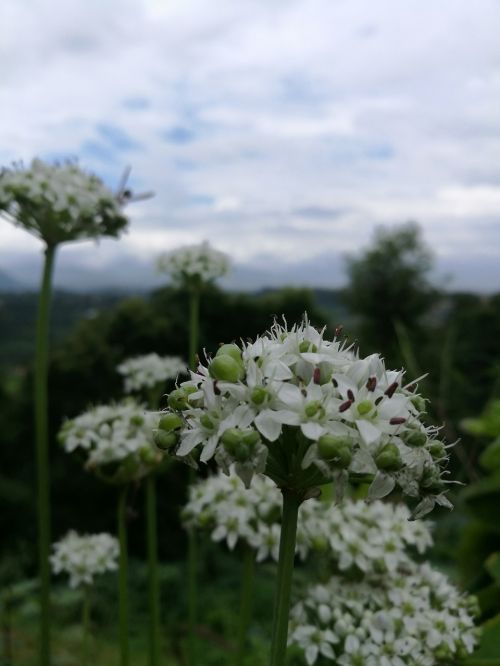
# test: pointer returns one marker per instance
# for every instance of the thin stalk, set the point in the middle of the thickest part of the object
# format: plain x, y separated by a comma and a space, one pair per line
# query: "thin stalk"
245, 603
194, 327
86, 627
42, 451
123, 578
154, 589
291, 503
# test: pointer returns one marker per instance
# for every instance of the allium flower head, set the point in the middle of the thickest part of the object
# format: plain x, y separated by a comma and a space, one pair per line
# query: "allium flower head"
84, 556
59, 202
415, 617
145, 372
354, 536
194, 265
116, 440
305, 410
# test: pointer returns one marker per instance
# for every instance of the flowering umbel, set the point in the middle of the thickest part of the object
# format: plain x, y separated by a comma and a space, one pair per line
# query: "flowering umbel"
84, 556
305, 410
116, 441
145, 372
194, 265
59, 202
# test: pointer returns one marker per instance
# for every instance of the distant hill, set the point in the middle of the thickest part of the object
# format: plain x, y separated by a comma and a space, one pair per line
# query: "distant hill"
9, 284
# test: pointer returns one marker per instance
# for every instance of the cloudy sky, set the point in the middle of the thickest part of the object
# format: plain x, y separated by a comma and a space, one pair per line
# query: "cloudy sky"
283, 131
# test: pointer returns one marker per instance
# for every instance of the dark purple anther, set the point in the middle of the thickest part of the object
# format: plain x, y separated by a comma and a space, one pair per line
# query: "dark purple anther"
397, 420
216, 388
391, 390
371, 384
350, 395
316, 375
345, 405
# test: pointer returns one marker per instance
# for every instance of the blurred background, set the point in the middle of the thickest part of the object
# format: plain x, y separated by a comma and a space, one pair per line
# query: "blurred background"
346, 155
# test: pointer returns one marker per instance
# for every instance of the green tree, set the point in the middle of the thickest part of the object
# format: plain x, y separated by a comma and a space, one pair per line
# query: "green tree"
389, 288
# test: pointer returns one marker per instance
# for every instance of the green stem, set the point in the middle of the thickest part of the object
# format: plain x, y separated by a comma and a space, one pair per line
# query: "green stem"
86, 627
245, 603
123, 578
194, 327
154, 588
42, 451
291, 503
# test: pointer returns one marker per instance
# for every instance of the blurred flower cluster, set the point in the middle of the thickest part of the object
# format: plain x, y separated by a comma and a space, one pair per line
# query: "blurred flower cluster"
354, 535
143, 372
84, 556
304, 410
414, 617
59, 202
194, 265
119, 433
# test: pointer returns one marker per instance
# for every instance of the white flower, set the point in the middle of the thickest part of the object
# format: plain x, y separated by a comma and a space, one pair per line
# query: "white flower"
121, 433
300, 397
84, 556
143, 372
199, 263
377, 628
59, 202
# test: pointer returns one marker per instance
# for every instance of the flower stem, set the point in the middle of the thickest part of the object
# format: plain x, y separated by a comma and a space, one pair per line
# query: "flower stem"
123, 578
194, 327
154, 589
245, 603
86, 627
42, 451
291, 503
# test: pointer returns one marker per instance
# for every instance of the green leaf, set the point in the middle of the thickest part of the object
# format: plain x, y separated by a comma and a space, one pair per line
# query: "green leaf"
490, 457
492, 565
488, 653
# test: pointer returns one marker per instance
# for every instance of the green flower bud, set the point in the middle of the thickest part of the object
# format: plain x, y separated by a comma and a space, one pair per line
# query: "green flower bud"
388, 458
415, 438
259, 395
419, 403
335, 449
241, 452
226, 369
207, 422
165, 440
364, 407
431, 481
148, 456
437, 449
178, 399
230, 350
313, 408
230, 438
170, 422
250, 437
136, 420
307, 346
319, 543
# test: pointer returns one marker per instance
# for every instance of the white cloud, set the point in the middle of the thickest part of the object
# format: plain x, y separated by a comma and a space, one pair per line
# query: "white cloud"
383, 110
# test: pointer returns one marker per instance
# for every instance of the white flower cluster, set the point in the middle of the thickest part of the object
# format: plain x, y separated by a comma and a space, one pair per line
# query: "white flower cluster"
84, 556
413, 618
194, 264
292, 395
357, 536
143, 372
59, 202
120, 433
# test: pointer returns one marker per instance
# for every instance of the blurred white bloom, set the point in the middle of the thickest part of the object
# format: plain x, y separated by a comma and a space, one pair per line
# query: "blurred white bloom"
427, 622
119, 433
355, 536
194, 264
59, 202
143, 372
292, 394
84, 556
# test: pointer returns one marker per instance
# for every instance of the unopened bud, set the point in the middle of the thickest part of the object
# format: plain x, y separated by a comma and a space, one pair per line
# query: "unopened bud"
431, 480
164, 440
230, 350
335, 449
170, 422
250, 437
226, 369
230, 438
207, 422
388, 458
148, 456
241, 452
178, 399
416, 438
419, 403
